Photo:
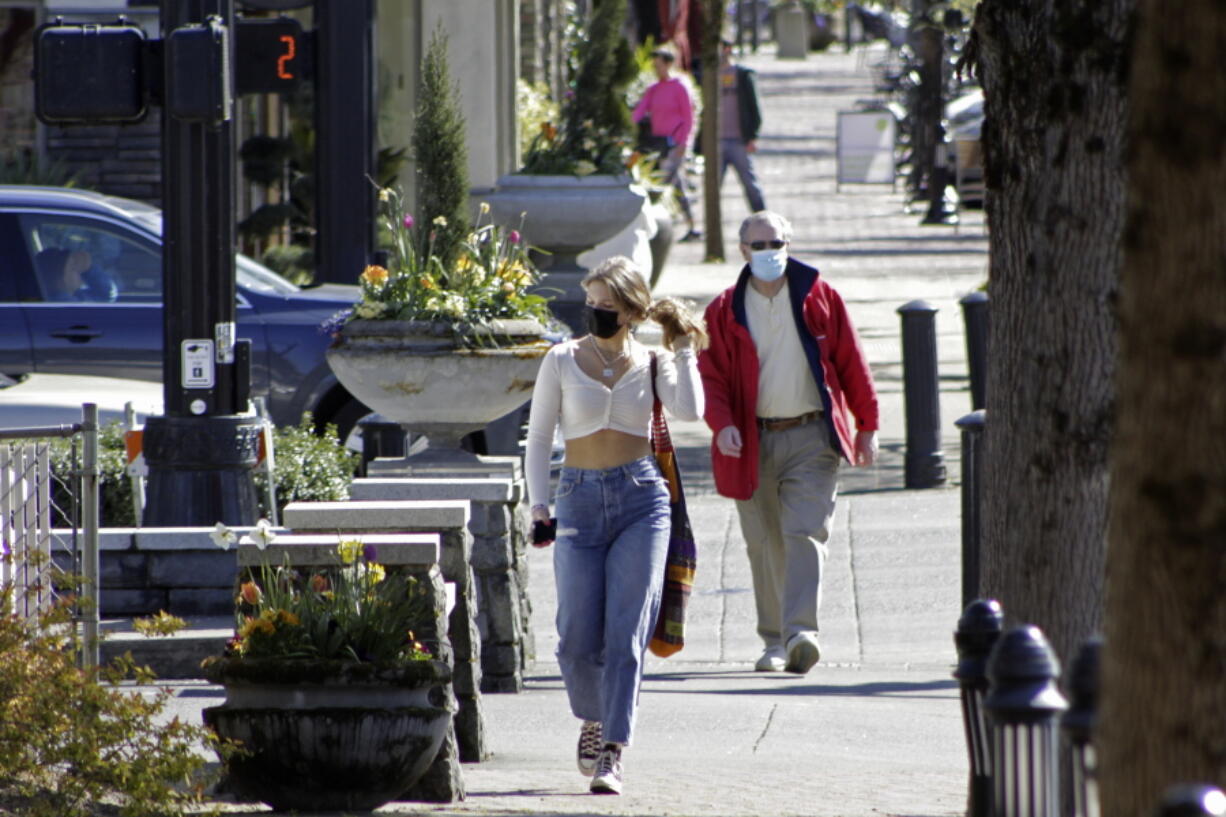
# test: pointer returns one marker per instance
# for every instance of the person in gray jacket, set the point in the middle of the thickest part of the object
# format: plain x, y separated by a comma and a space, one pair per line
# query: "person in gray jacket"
740, 120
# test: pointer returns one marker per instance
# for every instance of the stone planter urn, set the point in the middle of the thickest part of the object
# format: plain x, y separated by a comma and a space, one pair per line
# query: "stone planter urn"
328, 735
565, 216
442, 380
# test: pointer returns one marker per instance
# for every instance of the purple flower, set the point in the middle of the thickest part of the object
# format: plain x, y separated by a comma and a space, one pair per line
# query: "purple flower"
369, 553
332, 326
408, 221
514, 236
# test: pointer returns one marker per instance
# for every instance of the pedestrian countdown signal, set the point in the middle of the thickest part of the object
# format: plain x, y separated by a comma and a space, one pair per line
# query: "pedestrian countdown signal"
270, 56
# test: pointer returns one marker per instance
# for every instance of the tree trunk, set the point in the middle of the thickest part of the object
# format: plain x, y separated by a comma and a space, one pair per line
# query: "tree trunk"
1164, 656
713, 220
1053, 81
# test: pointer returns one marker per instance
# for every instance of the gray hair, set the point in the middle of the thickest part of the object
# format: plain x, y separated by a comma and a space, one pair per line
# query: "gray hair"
767, 217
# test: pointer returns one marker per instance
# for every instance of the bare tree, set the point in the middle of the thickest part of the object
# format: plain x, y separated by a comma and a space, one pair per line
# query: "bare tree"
1053, 78
1164, 657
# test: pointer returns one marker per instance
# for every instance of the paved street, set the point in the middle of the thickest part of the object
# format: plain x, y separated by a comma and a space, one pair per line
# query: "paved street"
875, 728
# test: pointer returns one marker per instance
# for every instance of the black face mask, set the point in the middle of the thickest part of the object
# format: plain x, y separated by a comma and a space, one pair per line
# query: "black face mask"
601, 322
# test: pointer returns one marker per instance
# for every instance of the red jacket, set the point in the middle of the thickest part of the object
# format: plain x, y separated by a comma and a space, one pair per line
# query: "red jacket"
729, 369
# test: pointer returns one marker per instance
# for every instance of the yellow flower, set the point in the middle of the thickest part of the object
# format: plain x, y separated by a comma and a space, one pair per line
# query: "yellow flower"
584, 168
508, 287
374, 275
369, 309
289, 618
350, 550
385, 194
485, 208
464, 263
373, 574
440, 221
515, 273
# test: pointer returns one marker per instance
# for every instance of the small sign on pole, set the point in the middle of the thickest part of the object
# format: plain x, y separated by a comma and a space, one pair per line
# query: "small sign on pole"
865, 147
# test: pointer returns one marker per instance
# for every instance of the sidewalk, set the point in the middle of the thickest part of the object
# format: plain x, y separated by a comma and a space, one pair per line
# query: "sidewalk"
875, 729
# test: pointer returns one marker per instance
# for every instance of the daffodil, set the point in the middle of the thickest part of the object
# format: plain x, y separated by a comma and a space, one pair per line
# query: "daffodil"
440, 221
222, 536
485, 208
350, 550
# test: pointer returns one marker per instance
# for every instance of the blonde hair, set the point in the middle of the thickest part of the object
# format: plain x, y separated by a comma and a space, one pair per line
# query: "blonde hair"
629, 288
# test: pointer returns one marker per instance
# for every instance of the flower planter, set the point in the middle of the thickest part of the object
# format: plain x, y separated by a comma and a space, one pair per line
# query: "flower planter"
565, 216
421, 375
325, 736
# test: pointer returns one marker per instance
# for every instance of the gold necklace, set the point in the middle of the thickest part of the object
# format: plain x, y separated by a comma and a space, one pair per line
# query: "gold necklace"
607, 371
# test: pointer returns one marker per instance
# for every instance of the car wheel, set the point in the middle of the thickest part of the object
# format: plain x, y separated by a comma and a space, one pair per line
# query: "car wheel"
346, 419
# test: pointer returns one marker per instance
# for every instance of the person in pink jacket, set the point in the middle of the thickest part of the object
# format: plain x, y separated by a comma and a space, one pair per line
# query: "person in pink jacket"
671, 109
783, 376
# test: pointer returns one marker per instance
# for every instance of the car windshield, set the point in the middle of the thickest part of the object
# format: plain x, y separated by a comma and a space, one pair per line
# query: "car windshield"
249, 273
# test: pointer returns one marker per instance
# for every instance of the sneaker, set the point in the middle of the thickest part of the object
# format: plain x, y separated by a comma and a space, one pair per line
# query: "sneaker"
608, 779
773, 659
803, 653
589, 747
692, 235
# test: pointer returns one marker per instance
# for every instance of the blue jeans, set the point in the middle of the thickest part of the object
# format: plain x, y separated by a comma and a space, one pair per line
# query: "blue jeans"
608, 561
733, 152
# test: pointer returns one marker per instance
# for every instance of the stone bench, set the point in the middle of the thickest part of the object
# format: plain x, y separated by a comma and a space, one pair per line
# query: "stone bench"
450, 519
499, 527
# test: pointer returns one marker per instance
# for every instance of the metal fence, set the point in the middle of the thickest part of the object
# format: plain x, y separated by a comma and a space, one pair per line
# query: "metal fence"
49, 525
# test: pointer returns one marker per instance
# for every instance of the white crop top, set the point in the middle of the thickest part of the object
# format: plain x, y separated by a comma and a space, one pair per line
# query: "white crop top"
584, 405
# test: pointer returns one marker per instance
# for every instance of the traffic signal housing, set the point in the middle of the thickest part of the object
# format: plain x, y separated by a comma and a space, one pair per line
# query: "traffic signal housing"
87, 73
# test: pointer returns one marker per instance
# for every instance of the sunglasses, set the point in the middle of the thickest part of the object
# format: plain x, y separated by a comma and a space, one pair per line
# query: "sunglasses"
775, 244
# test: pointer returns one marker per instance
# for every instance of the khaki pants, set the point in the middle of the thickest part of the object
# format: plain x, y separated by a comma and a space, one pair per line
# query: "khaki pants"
786, 524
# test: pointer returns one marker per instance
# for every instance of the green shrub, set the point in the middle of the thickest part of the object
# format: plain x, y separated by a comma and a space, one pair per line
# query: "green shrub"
307, 467
76, 743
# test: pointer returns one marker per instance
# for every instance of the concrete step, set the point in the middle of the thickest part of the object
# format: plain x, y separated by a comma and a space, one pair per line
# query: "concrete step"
175, 657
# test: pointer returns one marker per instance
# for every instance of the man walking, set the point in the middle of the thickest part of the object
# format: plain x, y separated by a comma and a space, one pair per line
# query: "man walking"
782, 372
740, 119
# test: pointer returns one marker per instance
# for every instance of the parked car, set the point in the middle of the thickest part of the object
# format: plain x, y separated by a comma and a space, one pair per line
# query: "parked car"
111, 325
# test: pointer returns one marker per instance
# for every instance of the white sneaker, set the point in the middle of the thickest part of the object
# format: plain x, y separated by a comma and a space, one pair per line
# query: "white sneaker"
773, 659
803, 653
608, 779
590, 745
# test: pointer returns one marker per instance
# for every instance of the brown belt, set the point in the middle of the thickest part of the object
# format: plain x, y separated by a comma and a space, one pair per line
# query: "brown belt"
784, 423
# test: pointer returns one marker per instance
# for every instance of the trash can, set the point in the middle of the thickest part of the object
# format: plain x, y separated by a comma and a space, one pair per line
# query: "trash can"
792, 31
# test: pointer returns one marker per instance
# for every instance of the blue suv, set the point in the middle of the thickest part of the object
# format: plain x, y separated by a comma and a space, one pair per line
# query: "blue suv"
108, 320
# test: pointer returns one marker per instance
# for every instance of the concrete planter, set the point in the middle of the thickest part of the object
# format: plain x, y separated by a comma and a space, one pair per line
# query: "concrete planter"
565, 216
328, 736
439, 379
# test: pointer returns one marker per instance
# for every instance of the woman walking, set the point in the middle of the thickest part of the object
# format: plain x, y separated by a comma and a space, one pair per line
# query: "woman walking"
612, 505
671, 110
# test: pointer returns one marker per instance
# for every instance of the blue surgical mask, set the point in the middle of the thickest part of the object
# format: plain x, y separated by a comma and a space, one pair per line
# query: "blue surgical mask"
768, 265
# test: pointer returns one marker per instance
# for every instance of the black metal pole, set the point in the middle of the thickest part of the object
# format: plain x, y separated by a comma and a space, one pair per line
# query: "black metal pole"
978, 630
1024, 705
1078, 727
924, 461
975, 317
344, 138
972, 426
200, 452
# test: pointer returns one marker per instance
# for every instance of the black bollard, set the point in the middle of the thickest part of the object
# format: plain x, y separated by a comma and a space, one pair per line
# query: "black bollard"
1023, 704
925, 462
975, 318
978, 630
1192, 800
972, 426
1078, 727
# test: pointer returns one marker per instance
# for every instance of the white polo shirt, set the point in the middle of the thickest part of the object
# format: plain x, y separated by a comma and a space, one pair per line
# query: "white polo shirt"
785, 385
